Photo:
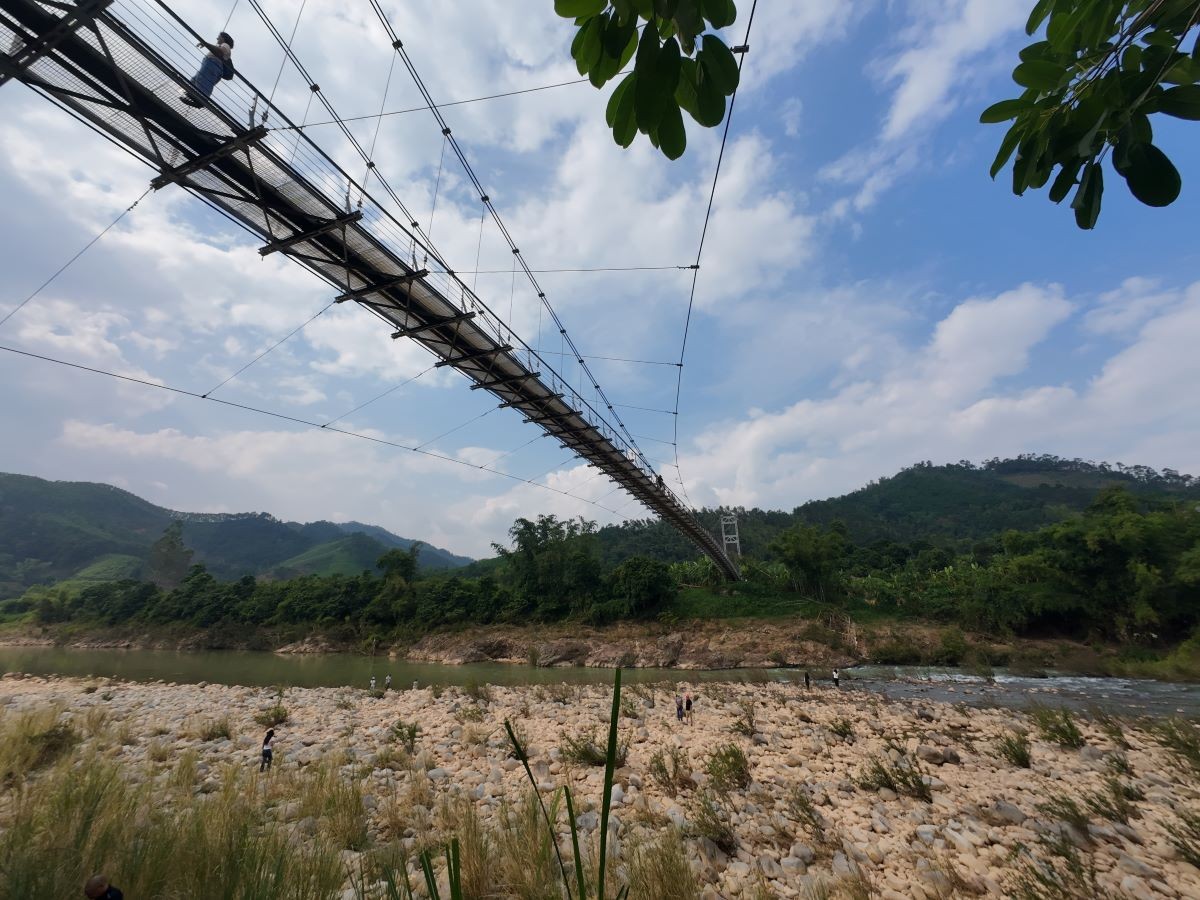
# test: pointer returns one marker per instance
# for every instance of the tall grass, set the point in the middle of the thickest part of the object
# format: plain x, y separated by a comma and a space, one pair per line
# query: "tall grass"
84, 818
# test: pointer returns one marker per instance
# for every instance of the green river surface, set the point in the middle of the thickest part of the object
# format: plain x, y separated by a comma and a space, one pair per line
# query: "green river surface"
1123, 695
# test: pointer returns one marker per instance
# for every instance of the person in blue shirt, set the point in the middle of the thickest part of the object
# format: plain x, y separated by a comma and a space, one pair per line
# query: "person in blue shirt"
219, 56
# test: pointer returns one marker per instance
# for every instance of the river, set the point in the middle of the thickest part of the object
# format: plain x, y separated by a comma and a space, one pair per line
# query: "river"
1119, 695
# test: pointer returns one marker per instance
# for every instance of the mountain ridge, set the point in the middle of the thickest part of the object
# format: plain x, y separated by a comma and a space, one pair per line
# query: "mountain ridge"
51, 531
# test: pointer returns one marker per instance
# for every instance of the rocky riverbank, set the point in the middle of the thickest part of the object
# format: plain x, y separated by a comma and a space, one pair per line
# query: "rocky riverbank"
872, 798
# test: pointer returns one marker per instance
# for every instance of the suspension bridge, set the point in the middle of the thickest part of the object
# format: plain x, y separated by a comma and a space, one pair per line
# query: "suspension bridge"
123, 66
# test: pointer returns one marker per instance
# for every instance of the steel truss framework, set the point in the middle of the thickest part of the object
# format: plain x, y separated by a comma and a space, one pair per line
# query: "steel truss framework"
87, 59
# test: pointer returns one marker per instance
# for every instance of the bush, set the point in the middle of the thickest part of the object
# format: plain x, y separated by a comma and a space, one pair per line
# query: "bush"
275, 715
728, 769
710, 820
800, 805
214, 730
405, 734
671, 773
745, 724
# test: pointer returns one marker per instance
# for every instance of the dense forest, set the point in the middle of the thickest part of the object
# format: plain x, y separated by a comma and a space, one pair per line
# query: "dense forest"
1124, 568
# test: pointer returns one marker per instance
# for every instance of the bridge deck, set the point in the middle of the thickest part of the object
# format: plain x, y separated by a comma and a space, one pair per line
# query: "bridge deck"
121, 67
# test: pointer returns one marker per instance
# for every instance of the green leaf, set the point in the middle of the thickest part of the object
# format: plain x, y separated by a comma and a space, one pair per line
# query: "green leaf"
621, 108
1065, 181
587, 47
1038, 50
685, 91
718, 62
1131, 59
1182, 102
666, 67
1039, 73
1151, 176
672, 136
1003, 111
1088, 198
617, 36
1038, 15
1007, 146
710, 101
1025, 167
1161, 38
720, 13
651, 95
572, 9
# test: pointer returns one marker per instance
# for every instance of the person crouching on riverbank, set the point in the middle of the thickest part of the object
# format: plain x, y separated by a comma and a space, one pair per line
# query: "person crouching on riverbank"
268, 750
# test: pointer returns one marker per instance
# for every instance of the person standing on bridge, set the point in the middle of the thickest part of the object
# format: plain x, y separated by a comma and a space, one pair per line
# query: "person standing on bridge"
217, 65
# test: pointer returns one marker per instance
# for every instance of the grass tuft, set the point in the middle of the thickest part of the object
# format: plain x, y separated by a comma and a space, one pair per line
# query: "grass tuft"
842, 727
1015, 748
585, 751
1060, 872
1185, 836
1180, 737
405, 734
800, 805
1058, 726
905, 776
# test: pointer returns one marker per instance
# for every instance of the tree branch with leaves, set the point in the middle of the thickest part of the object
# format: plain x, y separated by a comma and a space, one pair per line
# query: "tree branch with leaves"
1103, 68
679, 63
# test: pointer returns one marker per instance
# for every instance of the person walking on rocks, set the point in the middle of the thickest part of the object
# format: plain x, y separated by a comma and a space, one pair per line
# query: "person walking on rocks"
268, 750
837, 679
387, 682
807, 682
687, 706
679, 709
372, 682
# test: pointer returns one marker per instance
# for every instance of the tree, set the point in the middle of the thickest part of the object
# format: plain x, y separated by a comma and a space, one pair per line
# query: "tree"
169, 558
1103, 68
402, 564
643, 586
678, 64
813, 556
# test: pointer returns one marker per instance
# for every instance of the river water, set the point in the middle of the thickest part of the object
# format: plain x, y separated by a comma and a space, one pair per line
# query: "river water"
1119, 695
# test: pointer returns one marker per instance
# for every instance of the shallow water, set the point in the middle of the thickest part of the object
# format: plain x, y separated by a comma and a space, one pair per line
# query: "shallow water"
1123, 695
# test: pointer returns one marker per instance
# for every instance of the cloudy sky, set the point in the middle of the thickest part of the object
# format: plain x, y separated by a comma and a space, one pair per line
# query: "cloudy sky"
868, 296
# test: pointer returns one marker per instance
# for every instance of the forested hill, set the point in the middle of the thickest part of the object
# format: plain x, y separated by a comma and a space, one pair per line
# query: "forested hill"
943, 505
56, 530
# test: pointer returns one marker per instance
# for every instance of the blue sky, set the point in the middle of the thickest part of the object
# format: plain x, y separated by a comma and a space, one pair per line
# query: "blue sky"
868, 296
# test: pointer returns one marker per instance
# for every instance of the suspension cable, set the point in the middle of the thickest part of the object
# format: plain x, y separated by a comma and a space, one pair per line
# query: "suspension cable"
390, 390
16, 309
413, 109
282, 340
293, 419
700, 250
398, 45
283, 61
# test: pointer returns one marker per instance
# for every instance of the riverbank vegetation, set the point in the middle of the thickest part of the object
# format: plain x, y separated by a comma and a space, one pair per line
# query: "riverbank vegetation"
1123, 572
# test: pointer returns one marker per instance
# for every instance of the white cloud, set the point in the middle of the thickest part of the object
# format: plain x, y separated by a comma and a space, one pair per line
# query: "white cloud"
950, 398
945, 50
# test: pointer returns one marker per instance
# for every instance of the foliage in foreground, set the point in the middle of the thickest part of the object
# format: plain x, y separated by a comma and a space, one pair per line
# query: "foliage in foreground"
679, 64
1091, 85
